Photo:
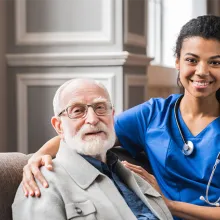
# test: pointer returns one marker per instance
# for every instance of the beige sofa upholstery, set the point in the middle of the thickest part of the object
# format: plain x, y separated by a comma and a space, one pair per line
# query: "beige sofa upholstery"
11, 165
11, 169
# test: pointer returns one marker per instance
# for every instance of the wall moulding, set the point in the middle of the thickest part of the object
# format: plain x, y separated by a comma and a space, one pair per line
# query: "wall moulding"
103, 36
78, 59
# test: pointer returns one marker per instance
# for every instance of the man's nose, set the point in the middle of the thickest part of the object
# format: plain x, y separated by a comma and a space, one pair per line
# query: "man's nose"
202, 69
91, 117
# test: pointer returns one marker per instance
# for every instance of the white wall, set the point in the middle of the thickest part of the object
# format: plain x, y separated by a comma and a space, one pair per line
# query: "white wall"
2, 76
175, 15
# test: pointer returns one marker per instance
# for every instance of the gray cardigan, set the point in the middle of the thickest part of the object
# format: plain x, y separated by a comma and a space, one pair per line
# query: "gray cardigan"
77, 190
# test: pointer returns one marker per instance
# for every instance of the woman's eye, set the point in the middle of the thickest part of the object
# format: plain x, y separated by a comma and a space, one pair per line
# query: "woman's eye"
215, 62
191, 60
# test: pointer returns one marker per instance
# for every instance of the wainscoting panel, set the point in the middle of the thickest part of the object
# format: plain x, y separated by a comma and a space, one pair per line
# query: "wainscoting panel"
135, 90
57, 22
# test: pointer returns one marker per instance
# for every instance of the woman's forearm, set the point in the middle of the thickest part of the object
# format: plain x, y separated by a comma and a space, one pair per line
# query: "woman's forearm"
193, 212
49, 148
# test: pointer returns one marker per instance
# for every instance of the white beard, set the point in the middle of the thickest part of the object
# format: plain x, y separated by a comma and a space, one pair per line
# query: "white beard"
93, 145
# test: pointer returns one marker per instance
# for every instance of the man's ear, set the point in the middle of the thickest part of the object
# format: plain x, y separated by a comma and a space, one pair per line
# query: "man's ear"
57, 125
177, 64
113, 112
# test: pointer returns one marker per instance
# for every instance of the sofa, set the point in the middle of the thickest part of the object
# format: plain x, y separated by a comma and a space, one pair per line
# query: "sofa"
11, 169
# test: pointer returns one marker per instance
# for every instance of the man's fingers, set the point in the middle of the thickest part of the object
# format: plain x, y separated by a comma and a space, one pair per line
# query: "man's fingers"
47, 162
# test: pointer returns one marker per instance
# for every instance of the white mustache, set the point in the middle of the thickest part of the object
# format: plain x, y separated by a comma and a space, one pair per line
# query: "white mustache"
92, 129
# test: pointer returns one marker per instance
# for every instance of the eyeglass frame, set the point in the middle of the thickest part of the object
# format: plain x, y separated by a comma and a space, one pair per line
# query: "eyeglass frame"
86, 109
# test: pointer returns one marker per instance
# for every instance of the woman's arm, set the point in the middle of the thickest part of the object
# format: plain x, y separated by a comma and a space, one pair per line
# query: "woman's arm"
193, 212
43, 157
180, 209
50, 147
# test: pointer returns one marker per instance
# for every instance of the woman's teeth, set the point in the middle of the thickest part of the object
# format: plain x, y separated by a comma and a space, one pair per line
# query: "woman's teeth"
201, 83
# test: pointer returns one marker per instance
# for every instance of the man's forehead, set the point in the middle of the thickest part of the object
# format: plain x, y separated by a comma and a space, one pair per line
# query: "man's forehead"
83, 93
83, 101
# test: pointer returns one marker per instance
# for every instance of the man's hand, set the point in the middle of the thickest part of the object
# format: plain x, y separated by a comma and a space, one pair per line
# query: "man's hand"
144, 174
32, 171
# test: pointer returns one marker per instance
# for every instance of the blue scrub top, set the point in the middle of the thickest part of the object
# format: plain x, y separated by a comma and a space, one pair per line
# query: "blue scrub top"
151, 127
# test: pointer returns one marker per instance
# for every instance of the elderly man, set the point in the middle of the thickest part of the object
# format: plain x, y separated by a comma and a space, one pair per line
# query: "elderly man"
88, 181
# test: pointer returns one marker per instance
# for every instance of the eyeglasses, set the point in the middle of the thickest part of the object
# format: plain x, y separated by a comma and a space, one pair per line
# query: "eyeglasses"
78, 110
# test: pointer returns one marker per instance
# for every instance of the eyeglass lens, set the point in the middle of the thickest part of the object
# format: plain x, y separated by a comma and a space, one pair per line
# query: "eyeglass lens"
80, 110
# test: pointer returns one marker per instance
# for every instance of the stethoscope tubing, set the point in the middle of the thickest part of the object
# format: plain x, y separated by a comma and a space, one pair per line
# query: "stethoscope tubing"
188, 146
188, 150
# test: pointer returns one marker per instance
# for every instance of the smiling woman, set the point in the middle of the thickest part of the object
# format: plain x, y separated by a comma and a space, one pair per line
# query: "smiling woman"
182, 145
199, 62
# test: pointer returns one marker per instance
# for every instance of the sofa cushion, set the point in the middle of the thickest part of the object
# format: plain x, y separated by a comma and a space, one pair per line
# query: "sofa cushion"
11, 169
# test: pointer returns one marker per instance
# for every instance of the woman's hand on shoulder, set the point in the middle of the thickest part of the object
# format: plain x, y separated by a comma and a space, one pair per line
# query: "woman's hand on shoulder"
144, 174
31, 171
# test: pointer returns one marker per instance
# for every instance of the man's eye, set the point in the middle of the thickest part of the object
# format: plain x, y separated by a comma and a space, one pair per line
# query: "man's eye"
101, 106
76, 110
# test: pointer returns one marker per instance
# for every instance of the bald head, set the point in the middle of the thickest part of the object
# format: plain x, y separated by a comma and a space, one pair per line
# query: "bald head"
70, 89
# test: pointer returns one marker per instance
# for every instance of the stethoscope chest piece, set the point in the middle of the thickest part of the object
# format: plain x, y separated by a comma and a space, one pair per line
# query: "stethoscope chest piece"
188, 148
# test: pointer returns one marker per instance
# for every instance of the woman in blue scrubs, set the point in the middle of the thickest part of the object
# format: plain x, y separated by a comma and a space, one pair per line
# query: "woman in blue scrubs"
180, 134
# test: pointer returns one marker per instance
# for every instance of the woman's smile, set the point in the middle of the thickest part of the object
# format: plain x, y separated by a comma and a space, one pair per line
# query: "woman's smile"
201, 84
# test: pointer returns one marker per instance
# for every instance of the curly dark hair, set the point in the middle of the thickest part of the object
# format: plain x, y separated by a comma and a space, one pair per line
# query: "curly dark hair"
207, 27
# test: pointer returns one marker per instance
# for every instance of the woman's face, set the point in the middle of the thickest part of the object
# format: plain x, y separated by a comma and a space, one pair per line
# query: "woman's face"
199, 66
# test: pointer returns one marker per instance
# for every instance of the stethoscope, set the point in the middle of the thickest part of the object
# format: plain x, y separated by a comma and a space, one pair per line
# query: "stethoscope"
188, 146
187, 150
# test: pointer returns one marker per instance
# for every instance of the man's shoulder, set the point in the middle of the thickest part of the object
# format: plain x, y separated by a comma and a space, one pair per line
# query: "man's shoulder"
52, 178
57, 170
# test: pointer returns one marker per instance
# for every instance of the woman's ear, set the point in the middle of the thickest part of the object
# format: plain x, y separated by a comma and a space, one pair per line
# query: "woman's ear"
57, 125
